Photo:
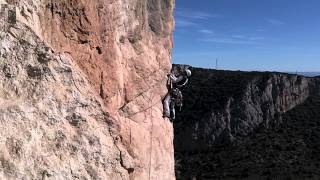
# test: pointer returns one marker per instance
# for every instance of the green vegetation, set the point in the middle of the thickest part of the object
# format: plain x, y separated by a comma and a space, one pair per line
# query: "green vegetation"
290, 151
209, 90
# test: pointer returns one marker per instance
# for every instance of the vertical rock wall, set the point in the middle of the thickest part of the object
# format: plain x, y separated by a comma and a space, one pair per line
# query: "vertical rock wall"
122, 49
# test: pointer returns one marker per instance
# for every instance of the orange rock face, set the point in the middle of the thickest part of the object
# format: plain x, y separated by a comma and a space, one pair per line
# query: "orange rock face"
124, 49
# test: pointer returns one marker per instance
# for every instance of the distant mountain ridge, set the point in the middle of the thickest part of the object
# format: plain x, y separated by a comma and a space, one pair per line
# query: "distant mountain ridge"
222, 107
308, 74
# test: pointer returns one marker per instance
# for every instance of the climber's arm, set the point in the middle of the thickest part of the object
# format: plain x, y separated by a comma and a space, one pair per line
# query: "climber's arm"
176, 79
181, 85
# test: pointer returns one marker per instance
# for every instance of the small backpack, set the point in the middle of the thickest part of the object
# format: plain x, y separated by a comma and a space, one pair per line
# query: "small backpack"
176, 97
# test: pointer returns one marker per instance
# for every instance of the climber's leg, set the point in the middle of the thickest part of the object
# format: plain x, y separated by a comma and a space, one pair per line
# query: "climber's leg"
166, 106
173, 112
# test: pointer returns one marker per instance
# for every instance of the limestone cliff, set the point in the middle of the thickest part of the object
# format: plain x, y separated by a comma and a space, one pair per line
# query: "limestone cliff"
81, 84
245, 101
224, 106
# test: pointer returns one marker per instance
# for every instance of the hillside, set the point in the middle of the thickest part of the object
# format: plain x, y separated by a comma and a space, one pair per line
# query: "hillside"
290, 151
210, 89
221, 108
221, 105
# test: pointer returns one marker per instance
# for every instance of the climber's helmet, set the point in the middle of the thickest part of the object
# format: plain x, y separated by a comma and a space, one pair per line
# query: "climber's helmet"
188, 72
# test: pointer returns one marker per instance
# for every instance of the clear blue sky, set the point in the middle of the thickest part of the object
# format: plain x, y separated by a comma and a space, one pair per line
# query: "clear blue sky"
277, 35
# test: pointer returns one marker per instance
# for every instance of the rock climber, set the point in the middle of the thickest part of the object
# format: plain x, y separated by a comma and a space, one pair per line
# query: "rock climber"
176, 100
176, 80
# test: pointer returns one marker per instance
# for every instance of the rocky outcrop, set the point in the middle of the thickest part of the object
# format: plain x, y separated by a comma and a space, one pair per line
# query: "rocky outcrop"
289, 151
262, 100
81, 88
223, 107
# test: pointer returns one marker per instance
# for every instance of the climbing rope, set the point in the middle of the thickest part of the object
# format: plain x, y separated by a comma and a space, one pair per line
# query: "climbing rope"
151, 137
151, 134
150, 109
